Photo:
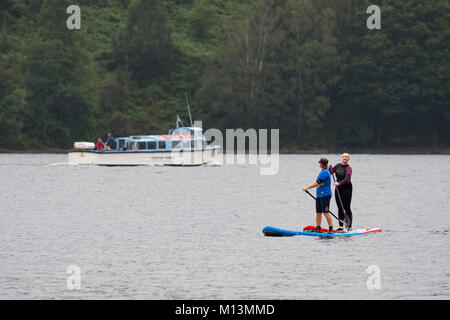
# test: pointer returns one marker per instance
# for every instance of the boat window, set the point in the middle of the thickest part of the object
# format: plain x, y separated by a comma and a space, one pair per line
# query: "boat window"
151, 145
130, 145
141, 145
197, 133
161, 144
121, 144
176, 144
177, 132
186, 144
197, 144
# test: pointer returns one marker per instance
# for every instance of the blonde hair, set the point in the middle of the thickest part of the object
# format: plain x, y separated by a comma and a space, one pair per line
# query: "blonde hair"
345, 155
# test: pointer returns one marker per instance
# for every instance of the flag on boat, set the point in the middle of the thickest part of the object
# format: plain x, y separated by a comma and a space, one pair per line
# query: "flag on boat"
179, 121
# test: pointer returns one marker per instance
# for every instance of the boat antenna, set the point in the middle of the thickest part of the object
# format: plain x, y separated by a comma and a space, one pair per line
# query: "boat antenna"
189, 110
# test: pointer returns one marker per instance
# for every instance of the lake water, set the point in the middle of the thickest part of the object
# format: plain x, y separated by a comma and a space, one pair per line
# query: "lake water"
195, 232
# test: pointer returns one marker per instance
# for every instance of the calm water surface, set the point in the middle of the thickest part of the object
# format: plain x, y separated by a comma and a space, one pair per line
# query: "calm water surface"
195, 232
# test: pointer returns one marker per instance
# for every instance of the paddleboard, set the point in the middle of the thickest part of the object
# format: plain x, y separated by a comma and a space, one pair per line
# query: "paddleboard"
310, 231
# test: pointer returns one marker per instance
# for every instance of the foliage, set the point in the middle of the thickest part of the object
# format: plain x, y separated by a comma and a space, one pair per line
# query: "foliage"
308, 67
145, 45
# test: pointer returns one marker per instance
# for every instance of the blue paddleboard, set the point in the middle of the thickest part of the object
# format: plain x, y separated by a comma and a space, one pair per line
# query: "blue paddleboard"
276, 232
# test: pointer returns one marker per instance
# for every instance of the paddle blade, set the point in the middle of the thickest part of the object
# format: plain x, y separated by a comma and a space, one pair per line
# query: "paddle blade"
347, 221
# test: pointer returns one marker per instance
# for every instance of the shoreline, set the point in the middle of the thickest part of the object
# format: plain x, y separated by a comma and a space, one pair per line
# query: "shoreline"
33, 151
401, 151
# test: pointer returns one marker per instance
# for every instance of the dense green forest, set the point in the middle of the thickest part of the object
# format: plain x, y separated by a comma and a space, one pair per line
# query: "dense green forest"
311, 68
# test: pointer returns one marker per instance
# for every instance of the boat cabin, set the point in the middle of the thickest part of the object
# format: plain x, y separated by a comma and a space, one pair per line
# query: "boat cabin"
184, 138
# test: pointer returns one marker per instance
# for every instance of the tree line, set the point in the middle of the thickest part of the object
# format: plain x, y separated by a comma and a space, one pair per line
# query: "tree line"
311, 68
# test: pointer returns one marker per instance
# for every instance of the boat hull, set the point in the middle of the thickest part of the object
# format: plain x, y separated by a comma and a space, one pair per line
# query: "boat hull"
113, 158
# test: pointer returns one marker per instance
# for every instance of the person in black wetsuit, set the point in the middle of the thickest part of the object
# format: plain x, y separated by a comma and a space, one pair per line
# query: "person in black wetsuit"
110, 143
345, 188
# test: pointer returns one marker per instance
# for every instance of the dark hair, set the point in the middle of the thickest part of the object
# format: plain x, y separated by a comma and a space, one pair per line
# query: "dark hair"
323, 161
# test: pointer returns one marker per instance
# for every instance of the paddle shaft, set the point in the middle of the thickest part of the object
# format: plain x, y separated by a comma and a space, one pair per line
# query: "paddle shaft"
104, 145
328, 211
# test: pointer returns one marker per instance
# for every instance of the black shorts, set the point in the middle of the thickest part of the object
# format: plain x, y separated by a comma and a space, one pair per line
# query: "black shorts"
323, 204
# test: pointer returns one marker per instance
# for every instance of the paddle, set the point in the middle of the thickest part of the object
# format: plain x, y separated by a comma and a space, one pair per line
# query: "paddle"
328, 211
104, 145
346, 217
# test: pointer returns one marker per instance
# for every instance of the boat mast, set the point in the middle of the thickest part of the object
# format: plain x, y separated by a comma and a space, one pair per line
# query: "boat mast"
189, 110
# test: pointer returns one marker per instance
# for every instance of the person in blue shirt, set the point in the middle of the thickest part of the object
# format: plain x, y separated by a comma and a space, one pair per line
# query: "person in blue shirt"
323, 195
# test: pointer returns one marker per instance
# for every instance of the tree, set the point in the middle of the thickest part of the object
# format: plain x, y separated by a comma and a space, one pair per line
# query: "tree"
310, 64
201, 18
12, 107
235, 82
277, 69
145, 45
395, 78
58, 74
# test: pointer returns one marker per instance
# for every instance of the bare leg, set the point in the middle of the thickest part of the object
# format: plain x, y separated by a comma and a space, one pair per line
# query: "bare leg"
329, 220
318, 219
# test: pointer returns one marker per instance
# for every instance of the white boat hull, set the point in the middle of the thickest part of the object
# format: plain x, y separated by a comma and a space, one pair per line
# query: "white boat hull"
183, 158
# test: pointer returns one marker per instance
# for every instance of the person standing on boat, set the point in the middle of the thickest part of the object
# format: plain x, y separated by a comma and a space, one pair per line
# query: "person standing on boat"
110, 142
323, 195
344, 187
